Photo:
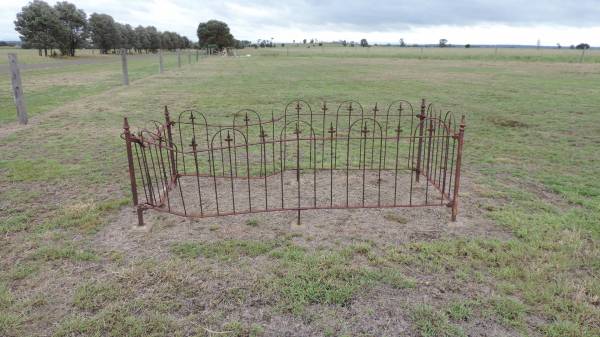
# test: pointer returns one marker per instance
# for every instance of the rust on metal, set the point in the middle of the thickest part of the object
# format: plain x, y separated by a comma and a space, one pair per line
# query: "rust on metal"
344, 158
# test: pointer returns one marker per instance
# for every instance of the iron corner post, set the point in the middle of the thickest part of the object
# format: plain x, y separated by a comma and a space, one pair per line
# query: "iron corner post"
420, 146
459, 150
128, 141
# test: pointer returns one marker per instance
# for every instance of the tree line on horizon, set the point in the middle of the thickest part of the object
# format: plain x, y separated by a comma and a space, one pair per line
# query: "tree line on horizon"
67, 28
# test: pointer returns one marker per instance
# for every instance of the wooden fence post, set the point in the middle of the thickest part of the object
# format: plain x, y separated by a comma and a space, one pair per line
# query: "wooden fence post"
196, 55
189, 57
124, 64
178, 58
17, 87
161, 67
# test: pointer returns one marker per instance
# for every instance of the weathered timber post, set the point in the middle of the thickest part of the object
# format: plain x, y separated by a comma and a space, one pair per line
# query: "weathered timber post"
178, 58
189, 57
128, 140
124, 64
197, 52
420, 146
169, 124
161, 67
460, 138
17, 86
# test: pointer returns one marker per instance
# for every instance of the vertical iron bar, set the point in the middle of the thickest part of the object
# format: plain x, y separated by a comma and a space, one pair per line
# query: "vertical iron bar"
128, 140
248, 170
387, 117
214, 175
182, 199
419, 148
331, 160
273, 140
222, 156
164, 172
379, 171
298, 162
234, 148
137, 156
228, 140
461, 134
194, 149
373, 137
348, 163
398, 130
446, 148
154, 170
168, 124
314, 144
364, 160
282, 161
148, 177
263, 159
324, 109
181, 138
428, 167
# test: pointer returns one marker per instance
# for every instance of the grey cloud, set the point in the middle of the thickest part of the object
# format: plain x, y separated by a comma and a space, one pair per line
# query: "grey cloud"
336, 15
387, 15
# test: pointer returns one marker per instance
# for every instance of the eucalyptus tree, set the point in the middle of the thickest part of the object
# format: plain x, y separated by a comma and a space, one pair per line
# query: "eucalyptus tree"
104, 32
216, 33
38, 26
73, 27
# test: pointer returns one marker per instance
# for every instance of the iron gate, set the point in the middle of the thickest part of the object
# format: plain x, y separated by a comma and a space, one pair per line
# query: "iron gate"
301, 160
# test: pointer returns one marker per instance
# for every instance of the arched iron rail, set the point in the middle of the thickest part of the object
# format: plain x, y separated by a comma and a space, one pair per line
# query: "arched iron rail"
342, 158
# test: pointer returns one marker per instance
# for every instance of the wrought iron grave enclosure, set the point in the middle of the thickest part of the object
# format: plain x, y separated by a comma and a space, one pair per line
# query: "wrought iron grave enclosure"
331, 158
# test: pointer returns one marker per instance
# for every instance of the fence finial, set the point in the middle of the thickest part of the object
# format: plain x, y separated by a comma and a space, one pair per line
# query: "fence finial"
125, 124
436, 158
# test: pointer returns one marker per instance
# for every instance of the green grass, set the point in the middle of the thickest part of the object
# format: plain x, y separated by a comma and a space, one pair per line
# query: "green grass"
48, 88
92, 296
303, 278
531, 155
116, 321
460, 311
9, 321
429, 322
252, 223
474, 54
511, 311
223, 250
55, 252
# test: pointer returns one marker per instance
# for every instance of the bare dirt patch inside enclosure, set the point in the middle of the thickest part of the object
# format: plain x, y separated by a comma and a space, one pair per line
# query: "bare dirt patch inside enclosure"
319, 228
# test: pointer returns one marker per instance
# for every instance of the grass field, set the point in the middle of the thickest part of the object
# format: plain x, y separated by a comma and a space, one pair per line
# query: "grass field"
523, 260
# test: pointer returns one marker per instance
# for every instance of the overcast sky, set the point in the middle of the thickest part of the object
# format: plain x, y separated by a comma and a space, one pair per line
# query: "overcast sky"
426, 21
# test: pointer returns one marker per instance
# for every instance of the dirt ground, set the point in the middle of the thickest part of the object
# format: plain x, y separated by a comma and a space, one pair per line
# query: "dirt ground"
384, 226
380, 310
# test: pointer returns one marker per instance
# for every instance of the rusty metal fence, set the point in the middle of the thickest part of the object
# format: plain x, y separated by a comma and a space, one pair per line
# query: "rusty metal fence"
332, 158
